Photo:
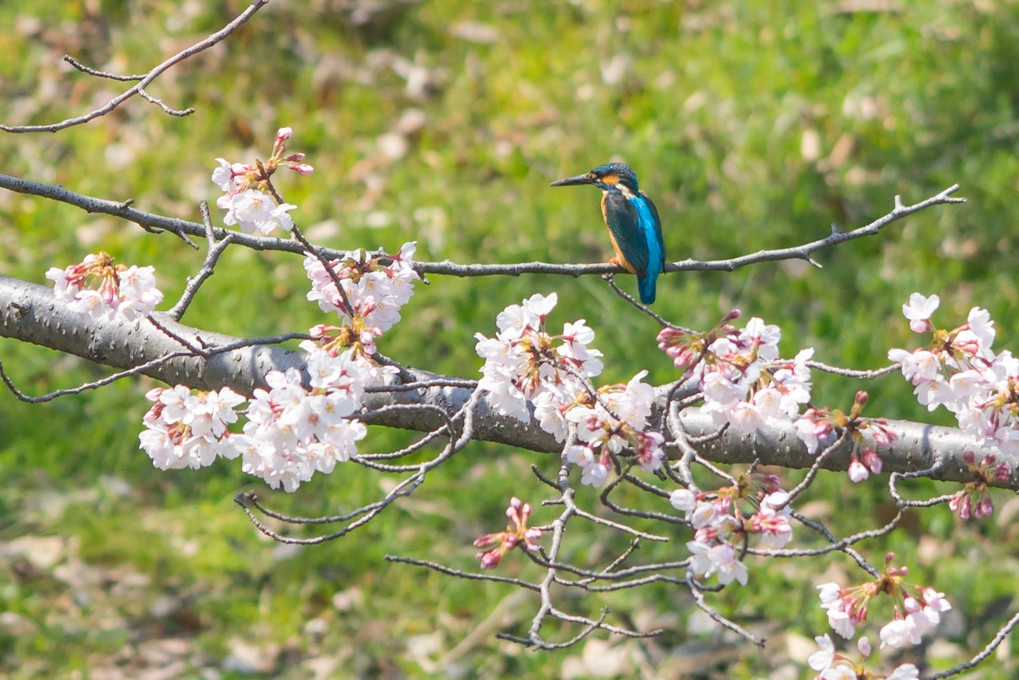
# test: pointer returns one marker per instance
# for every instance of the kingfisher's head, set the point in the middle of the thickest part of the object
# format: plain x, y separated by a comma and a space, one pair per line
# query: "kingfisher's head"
606, 177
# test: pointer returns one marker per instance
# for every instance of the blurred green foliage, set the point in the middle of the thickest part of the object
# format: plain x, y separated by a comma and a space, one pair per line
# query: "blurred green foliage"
752, 125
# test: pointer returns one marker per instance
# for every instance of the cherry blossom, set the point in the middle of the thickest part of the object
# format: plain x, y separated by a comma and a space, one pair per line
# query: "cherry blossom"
823, 658
916, 610
249, 198
720, 559
818, 426
185, 429
103, 290
906, 671
721, 524
919, 311
844, 611
290, 432
252, 210
960, 371
376, 284
899, 633
774, 527
527, 368
833, 665
594, 468
744, 383
615, 420
858, 472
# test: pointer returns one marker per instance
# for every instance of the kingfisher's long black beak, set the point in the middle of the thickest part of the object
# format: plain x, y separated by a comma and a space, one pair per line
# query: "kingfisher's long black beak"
586, 178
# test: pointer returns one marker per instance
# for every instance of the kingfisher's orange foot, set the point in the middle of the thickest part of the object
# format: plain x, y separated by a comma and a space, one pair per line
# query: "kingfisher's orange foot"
615, 261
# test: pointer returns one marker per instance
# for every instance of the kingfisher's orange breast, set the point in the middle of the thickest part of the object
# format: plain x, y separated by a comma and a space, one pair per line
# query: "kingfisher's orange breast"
615, 246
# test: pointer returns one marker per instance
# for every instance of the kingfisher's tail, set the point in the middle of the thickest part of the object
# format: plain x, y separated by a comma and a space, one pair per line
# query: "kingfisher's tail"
646, 287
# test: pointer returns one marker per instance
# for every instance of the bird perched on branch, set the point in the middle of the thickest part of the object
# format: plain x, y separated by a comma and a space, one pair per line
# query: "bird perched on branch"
633, 223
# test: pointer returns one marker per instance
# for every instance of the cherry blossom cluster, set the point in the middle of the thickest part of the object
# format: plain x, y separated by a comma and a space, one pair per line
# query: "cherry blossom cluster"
188, 429
104, 290
743, 381
290, 431
376, 285
916, 609
249, 198
611, 422
817, 427
747, 387
833, 665
517, 533
525, 367
722, 524
960, 371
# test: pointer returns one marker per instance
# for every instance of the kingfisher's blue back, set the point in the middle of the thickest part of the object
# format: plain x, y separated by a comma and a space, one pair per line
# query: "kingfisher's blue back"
633, 223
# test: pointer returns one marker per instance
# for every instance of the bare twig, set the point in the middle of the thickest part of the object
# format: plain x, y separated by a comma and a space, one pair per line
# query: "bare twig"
812, 472
979, 658
801, 252
216, 248
100, 74
459, 573
184, 228
853, 373
698, 597
611, 280
144, 81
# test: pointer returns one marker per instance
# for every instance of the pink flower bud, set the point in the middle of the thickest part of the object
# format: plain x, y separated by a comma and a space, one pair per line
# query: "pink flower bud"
490, 559
732, 316
963, 507
872, 460
486, 540
301, 168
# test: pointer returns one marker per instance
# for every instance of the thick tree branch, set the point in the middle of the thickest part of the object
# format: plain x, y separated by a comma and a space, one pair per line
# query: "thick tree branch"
30, 313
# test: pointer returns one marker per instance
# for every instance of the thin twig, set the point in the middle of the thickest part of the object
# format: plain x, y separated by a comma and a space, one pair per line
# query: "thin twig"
698, 597
459, 573
611, 280
998, 638
185, 228
812, 472
148, 78
216, 248
852, 373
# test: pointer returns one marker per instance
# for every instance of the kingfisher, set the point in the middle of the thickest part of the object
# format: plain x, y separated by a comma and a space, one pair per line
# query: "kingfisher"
633, 223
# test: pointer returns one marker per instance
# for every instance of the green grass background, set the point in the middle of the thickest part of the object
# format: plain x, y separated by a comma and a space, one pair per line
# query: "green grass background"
752, 125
